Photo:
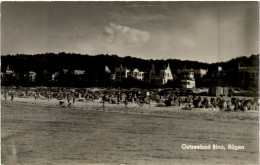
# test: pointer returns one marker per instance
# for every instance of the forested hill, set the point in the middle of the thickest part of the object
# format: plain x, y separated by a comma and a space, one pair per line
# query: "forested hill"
56, 62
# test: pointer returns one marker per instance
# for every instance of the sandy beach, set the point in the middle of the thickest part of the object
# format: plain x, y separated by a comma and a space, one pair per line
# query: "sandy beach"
152, 109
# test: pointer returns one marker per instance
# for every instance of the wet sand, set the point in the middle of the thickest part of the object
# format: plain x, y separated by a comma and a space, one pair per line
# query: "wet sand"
37, 132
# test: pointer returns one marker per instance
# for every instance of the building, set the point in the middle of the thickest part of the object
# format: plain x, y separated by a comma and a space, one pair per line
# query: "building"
218, 90
161, 77
54, 76
113, 76
218, 77
107, 70
31, 75
121, 73
187, 77
219, 73
8, 76
197, 72
108, 74
76, 72
138, 75
65, 71
79, 72
9, 71
249, 76
184, 70
188, 80
200, 72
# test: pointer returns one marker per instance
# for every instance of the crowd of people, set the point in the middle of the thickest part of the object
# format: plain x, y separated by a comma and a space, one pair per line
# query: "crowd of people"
69, 97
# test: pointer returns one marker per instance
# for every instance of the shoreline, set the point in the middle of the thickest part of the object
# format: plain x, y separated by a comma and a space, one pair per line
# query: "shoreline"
133, 108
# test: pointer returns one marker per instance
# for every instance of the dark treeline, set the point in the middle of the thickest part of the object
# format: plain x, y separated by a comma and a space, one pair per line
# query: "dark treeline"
55, 62
94, 66
232, 64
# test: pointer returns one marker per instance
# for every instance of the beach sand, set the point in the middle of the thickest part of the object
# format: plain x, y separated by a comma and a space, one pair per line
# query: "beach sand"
153, 108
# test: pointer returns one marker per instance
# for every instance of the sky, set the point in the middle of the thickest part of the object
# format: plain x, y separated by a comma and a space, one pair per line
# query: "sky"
200, 31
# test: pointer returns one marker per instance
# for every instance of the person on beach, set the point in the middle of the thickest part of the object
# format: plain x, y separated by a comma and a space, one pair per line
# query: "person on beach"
86, 96
92, 96
49, 96
242, 104
35, 95
126, 101
179, 101
236, 104
68, 98
73, 98
12, 96
26, 93
135, 98
104, 97
5, 95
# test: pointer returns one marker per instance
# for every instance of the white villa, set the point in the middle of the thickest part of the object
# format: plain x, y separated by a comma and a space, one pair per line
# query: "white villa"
122, 73
136, 74
32, 76
162, 77
188, 80
9, 71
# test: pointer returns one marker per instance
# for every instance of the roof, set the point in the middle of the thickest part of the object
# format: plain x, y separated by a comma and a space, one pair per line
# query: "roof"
107, 70
8, 70
31, 72
79, 72
159, 68
65, 71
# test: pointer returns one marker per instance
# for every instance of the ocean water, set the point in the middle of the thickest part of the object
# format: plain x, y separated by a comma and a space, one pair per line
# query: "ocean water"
36, 134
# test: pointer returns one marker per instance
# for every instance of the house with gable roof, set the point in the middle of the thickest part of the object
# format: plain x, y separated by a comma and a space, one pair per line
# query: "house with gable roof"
9, 71
161, 76
121, 73
31, 75
138, 75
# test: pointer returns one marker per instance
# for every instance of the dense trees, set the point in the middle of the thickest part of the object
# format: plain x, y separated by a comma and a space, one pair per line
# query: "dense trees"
94, 66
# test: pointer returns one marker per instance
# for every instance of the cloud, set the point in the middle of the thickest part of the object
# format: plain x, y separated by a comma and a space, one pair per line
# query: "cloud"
119, 34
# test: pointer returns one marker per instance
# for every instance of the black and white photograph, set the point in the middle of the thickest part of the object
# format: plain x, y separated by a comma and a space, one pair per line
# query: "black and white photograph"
130, 82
